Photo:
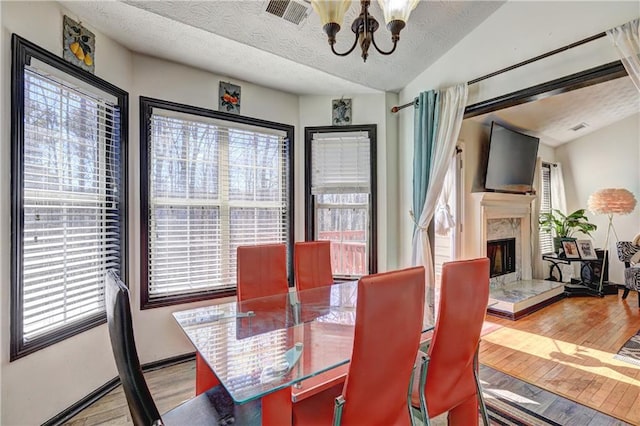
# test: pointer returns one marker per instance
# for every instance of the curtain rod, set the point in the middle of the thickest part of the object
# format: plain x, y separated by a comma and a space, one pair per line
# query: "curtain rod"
518, 65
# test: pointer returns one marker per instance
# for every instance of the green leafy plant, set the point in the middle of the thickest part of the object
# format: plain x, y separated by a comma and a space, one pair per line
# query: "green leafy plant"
564, 226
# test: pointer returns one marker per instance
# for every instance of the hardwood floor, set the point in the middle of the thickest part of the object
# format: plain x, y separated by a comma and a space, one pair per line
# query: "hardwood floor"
567, 348
169, 386
172, 385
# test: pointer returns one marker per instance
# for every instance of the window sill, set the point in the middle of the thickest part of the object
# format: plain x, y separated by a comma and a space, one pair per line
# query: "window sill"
145, 303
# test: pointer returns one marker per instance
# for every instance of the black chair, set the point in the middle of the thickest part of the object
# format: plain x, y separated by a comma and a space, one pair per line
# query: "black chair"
214, 407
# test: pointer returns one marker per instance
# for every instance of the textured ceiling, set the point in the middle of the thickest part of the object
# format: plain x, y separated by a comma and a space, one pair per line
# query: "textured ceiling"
552, 118
240, 40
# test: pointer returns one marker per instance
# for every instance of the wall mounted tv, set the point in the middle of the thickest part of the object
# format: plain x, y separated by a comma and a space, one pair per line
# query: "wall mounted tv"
512, 160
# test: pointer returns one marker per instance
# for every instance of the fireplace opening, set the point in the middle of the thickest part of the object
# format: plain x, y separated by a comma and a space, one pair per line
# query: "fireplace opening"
502, 256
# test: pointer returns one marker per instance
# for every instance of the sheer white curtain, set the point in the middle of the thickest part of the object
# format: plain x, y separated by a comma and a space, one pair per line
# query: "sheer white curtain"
443, 219
558, 196
451, 112
627, 42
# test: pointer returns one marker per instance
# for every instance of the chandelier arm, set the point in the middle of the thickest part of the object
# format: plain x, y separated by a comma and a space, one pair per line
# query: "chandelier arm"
382, 52
355, 43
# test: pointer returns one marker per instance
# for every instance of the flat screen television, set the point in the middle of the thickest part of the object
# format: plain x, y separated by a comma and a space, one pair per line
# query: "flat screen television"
512, 160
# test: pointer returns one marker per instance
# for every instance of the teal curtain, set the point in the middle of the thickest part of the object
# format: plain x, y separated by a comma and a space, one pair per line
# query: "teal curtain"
425, 126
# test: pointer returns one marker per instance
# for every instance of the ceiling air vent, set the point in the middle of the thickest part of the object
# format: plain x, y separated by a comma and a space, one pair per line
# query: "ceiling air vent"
579, 126
289, 10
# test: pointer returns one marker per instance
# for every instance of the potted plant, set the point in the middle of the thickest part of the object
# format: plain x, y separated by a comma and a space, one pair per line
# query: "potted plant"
564, 226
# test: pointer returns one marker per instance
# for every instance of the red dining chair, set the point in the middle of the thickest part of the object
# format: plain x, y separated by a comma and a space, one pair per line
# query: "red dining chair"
312, 264
448, 374
261, 271
389, 316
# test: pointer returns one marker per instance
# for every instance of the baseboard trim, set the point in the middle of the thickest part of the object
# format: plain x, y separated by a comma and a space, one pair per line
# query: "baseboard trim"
85, 402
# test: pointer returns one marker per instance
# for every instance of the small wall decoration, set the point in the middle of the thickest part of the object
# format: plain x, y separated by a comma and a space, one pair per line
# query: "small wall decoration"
341, 112
78, 44
229, 98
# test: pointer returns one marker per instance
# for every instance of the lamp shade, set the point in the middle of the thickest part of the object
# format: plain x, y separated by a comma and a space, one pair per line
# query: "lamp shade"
612, 201
331, 11
397, 10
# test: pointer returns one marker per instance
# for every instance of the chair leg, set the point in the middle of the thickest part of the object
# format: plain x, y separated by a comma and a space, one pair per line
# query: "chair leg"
337, 411
625, 294
638, 298
409, 392
424, 365
483, 407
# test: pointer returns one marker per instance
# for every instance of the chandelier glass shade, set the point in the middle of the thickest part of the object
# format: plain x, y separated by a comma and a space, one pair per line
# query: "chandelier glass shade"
396, 14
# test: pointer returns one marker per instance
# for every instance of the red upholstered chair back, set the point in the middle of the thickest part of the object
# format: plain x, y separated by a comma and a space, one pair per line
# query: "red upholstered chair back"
312, 264
464, 296
389, 317
261, 271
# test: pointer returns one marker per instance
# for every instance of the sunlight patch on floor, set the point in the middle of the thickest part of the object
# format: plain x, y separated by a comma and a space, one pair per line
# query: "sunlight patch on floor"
576, 356
504, 394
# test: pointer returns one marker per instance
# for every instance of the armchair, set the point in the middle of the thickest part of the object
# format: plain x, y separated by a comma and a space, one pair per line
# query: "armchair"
629, 253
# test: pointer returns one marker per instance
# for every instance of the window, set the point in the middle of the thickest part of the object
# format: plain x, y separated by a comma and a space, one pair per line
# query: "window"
68, 163
341, 194
546, 239
211, 182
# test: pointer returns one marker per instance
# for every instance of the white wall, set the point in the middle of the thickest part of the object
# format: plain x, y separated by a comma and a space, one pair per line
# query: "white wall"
39, 386
366, 109
515, 32
606, 158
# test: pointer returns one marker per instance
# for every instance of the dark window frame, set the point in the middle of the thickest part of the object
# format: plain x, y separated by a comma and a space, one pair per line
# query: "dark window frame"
22, 53
372, 130
146, 110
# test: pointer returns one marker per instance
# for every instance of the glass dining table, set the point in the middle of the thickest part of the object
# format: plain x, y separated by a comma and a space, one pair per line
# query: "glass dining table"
259, 348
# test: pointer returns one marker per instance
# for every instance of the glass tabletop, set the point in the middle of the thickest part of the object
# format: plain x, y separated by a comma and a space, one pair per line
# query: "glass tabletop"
262, 345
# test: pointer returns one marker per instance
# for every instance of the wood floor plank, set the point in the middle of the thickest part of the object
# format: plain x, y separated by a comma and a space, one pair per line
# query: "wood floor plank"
568, 348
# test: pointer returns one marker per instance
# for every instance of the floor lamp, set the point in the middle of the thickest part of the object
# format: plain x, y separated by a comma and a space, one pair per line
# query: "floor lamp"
610, 201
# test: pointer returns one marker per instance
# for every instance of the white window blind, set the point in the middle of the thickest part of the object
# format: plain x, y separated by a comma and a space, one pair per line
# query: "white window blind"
71, 203
546, 239
213, 186
341, 163
341, 191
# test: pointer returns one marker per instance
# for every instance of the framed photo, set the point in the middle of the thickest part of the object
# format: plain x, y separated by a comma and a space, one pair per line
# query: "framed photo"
340, 112
570, 248
586, 250
229, 98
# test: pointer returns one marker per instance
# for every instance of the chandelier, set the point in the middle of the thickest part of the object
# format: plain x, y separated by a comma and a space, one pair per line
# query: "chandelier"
396, 13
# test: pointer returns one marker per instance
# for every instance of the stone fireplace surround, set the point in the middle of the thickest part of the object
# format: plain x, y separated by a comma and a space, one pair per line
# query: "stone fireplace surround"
514, 295
497, 213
